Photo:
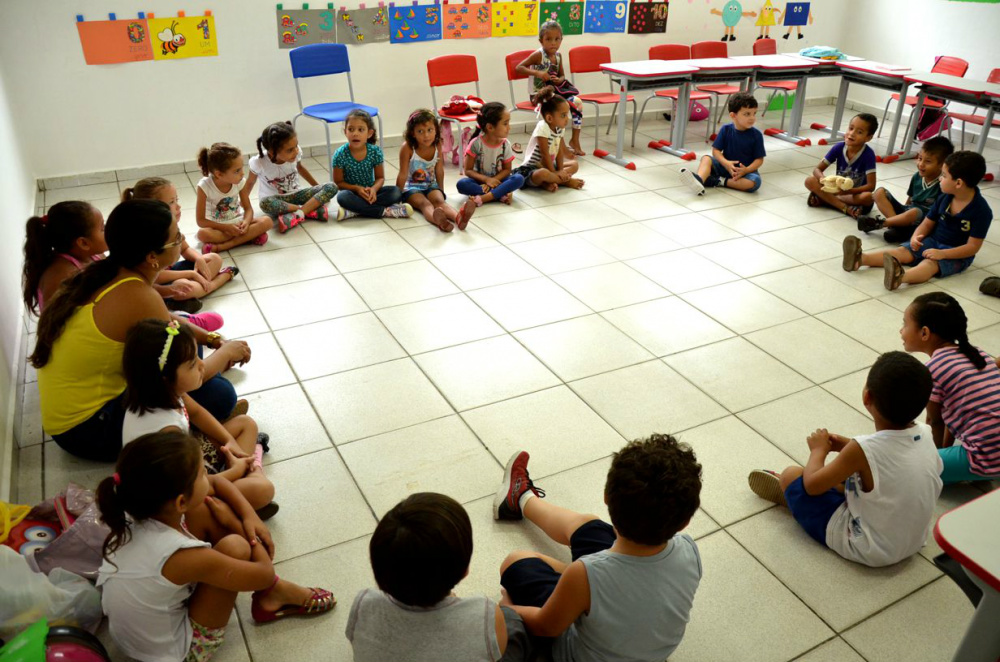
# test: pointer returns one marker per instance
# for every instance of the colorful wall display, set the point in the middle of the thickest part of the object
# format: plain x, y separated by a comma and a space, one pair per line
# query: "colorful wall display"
567, 14
181, 36
363, 25
115, 41
298, 27
606, 16
467, 21
647, 17
515, 19
413, 23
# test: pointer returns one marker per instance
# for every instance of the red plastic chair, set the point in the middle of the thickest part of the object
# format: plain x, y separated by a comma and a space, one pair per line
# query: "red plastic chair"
512, 61
670, 52
453, 70
945, 64
704, 49
972, 118
769, 47
588, 59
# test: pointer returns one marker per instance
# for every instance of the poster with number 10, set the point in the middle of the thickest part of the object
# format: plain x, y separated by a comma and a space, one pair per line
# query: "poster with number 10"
606, 16
515, 19
647, 17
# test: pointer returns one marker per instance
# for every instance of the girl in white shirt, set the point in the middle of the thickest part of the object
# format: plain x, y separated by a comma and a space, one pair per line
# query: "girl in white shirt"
182, 546
223, 207
545, 162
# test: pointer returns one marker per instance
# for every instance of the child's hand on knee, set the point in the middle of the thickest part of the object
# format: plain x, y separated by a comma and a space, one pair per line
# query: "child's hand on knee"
916, 242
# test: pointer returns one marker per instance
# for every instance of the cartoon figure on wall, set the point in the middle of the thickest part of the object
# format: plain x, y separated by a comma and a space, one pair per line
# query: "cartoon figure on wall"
171, 42
768, 16
797, 14
731, 14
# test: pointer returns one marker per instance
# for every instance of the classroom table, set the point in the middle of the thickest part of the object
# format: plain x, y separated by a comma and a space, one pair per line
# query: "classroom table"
970, 535
784, 67
650, 75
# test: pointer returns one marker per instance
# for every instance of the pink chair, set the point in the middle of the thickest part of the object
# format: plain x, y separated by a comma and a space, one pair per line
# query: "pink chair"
588, 59
703, 49
972, 118
671, 52
768, 47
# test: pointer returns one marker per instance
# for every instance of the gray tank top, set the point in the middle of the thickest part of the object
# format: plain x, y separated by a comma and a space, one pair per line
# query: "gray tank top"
639, 606
382, 629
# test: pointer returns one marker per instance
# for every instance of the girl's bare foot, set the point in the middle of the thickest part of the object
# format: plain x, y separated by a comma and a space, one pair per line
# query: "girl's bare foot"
551, 187
577, 149
575, 183
284, 593
440, 219
507, 199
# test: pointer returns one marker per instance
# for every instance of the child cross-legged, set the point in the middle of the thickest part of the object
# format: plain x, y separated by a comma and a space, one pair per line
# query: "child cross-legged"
547, 163
359, 171
737, 153
628, 592
855, 161
488, 158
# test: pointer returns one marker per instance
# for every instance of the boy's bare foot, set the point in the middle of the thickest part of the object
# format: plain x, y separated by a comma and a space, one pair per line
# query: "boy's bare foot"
575, 183
893, 272
440, 219
852, 253
551, 187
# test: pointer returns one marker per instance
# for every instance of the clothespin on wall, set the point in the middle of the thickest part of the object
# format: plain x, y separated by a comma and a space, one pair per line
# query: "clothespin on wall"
180, 14
79, 18
142, 15
208, 12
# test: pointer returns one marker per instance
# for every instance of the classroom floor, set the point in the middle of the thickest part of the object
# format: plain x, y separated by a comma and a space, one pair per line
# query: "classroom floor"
389, 358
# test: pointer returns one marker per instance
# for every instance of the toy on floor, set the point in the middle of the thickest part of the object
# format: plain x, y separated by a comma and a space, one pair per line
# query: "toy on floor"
836, 184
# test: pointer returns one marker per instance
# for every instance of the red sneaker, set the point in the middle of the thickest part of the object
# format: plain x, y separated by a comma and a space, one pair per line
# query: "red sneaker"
516, 481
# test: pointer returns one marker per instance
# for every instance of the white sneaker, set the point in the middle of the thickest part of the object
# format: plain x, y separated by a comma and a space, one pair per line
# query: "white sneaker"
404, 210
344, 214
691, 180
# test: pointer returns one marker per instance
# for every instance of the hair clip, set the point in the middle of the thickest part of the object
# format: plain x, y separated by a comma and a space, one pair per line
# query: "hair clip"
115, 477
45, 219
172, 329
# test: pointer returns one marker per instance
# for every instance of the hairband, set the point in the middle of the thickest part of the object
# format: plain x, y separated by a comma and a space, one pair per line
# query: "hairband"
45, 219
172, 329
115, 477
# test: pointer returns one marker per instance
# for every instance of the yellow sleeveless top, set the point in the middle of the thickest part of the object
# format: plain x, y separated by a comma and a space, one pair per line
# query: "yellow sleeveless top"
84, 371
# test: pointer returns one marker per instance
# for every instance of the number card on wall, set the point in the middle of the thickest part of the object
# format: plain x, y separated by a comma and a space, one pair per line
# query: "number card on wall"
605, 16
515, 19
647, 17
467, 21
298, 27
363, 26
183, 36
412, 23
115, 42
567, 14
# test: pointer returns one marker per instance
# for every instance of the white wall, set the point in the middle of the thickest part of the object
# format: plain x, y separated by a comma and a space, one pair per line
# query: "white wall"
78, 118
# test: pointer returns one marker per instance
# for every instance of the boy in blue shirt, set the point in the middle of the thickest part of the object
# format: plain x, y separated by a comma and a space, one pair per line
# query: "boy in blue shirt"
737, 153
856, 161
947, 240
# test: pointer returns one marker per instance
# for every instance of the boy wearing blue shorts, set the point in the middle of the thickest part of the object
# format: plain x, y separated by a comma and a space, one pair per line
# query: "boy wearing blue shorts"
947, 240
874, 502
737, 153
627, 595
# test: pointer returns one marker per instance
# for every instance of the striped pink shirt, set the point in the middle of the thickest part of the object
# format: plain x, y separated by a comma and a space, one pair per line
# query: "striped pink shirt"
970, 405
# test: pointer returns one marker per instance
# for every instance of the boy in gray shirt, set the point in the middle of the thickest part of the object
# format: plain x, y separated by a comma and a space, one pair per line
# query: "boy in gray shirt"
627, 595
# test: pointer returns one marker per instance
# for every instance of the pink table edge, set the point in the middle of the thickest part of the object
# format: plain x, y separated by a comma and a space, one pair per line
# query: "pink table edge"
672, 69
958, 555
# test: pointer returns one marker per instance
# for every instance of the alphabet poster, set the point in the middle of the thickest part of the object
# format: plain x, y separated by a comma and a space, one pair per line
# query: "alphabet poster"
515, 19
363, 26
413, 23
115, 42
298, 27
567, 14
647, 17
467, 21
182, 37
606, 16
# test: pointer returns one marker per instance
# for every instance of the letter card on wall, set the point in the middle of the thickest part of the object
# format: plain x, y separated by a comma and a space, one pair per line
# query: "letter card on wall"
363, 26
413, 23
606, 16
647, 17
182, 36
115, 42
515, 19
467, 21
298, 27
567, 14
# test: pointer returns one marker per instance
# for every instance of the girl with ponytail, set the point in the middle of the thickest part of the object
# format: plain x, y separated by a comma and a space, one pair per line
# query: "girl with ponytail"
489, 158
182, 546
965, 402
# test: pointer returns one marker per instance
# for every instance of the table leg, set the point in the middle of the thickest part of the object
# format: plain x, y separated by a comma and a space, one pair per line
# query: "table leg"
987, 123
838, 115
620, 147
904, 86
981, 642
911, 135
795, 119
678, 126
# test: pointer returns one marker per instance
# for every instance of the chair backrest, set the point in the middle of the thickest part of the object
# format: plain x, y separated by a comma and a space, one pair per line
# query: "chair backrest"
765, 47
514, 59
452, 70
670, 52
994, 76
953, 66
319, 60
588, 59
709, 49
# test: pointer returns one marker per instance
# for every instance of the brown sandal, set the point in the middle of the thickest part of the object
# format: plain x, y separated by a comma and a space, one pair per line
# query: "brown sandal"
814, 200
852, 253
893, 272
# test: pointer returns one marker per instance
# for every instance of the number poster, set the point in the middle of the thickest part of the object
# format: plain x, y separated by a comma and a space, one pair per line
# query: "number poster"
467, 21
606, 16
647, 17
515, 19
413, 23
298, 27
567, 14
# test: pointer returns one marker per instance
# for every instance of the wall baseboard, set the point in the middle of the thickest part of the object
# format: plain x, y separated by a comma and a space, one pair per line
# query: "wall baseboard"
12, 404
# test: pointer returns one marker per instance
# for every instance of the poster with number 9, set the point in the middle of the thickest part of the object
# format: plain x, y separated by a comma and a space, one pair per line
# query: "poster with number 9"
606, 16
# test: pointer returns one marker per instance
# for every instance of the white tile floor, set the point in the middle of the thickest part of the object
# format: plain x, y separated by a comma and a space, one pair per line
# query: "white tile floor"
389, 358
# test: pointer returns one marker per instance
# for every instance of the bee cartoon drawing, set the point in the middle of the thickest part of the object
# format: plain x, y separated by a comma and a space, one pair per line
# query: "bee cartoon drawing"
171, 41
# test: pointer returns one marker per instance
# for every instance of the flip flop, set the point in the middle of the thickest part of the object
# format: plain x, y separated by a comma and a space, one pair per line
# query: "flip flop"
893, 272
767, 485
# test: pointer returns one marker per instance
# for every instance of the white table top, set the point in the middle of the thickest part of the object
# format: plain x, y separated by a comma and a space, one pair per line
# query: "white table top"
718, 64
948, 82
777, 61
971, 536
649, 68
993, 90
870, 66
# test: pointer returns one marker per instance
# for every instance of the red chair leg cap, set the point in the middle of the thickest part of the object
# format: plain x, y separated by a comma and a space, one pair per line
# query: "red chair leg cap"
630, 166
600, 153
821, 141
690, 156
818, 127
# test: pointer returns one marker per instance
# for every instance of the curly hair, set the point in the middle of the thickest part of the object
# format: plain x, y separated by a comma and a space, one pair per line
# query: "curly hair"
418, 117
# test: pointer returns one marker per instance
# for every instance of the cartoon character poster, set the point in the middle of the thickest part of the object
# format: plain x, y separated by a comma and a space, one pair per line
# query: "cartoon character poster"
515, 19
567, 14
647, 17
298, 27
606, 16
413, 23
467, 20
797, 14
731, 13
767, 17
363, 26
115, 42
183, 36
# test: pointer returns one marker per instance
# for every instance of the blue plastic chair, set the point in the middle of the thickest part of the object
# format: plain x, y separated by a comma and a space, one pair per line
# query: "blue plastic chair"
324, 60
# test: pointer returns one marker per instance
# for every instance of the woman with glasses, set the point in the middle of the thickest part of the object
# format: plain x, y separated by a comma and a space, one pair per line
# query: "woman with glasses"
81, 335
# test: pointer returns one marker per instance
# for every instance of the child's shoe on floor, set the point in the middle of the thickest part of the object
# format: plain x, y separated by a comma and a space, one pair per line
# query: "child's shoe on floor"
508, 503
404, 210
288, 221
870, 223
321, 213
344, 214
767, 485
692, 181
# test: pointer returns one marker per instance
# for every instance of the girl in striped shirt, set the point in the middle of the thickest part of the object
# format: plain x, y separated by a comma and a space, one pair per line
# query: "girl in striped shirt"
964, 405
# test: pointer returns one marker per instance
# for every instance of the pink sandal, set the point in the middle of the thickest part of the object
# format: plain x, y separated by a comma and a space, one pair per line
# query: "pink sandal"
321, 601
260, 239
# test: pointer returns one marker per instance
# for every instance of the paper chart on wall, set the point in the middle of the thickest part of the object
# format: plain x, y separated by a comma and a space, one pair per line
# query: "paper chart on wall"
567, 14
647, 17
515, 19
115, 42
606, 16
181, 37
363, 26
298, 27
467, 20
413, 23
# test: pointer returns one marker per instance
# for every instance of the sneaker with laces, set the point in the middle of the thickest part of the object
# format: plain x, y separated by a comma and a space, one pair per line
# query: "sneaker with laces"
404, 210
767, 485
288, 221
870, 223
516, 481
692, 181
344, 214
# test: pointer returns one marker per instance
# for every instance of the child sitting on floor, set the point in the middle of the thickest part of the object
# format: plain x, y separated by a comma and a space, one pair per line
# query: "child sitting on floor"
547, 163
947, 240
900, 220
223, 208
737, 153
419, 552
964, 409
359, 172
874, 502
854, 161
488, 158
627, 595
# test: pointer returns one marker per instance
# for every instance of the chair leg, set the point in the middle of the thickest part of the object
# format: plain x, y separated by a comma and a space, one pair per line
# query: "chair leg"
381, 134
770, 97
329, 151
784, 107
708, 120
885, 113
597, 126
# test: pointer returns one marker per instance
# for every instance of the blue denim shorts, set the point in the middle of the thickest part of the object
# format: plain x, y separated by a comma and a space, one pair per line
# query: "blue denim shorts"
813, 513
408, 193
900, 208
719, 175
945, 267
